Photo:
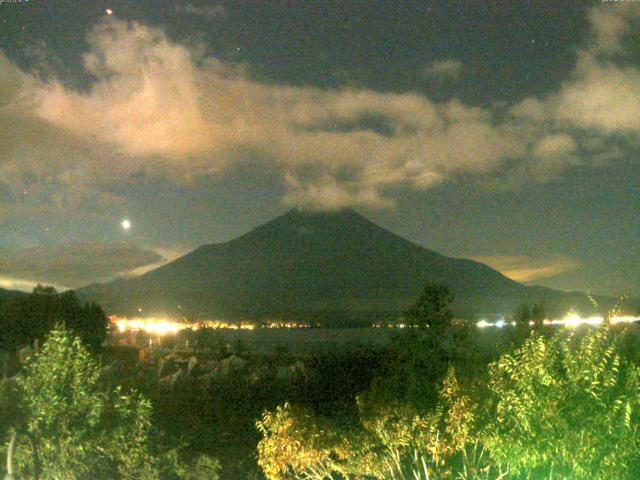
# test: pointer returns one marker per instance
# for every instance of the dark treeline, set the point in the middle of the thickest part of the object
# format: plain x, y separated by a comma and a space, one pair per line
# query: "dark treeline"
26, 318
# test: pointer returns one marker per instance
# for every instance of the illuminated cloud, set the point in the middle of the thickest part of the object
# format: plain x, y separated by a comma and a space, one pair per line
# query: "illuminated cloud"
527, 270
602, 95
165, 109
444, 68
158, 106
207, 11
557, 145
11, 283
610, 24
147, 98
164, 256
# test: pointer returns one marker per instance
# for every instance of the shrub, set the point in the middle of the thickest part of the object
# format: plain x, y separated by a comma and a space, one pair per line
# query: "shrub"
296, 444
412, 442
566, 407
392, 440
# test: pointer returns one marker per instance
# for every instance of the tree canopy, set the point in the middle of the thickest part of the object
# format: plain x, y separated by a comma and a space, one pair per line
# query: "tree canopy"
83, 431
30, 317
432, 309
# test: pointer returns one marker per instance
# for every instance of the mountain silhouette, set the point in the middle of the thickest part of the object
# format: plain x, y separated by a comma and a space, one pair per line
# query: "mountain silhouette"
325, 266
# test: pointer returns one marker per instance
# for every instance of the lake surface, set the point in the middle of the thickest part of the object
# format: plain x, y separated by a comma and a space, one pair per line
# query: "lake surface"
307, 340
311, 340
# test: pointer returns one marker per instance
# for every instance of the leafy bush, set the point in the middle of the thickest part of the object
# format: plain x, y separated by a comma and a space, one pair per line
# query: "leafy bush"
82, 432
203, 467
296, 444
566, 407
416, 444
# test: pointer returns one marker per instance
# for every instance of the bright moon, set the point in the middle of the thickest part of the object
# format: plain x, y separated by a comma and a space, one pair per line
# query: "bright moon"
126, 224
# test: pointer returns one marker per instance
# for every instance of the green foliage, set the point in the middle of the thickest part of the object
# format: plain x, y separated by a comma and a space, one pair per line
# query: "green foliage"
432, 309
538, 313
522, 314
420, 357
80, 430
557, 407
12, 412
416, 365
203, 467
566, 407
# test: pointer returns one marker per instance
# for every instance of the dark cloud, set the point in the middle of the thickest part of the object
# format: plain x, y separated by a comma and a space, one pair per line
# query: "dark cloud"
73, 265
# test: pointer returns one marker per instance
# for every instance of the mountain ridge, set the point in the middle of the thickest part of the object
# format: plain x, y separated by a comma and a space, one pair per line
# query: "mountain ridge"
314, 265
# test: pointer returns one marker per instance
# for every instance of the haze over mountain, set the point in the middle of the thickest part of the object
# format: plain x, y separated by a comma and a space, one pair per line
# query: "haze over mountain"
316, 266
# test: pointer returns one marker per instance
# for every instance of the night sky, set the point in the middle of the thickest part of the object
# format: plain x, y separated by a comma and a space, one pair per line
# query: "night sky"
508, 134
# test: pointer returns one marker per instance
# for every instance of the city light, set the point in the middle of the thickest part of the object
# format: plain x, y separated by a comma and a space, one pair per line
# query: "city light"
623, 319
166, 326
570, 320
153, 326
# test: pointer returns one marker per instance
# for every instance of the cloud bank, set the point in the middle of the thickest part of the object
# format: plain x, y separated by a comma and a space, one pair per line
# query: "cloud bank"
71, 265
160, 107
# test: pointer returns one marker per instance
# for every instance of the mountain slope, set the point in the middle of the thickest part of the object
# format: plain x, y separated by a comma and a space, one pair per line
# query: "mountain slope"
336, 265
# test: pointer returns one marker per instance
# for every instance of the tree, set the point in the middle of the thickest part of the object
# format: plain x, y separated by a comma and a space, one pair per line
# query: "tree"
81, 431
12, 422
432, 309
420, 357
25, 319
202, 467
537, 313
522, 314
298, 444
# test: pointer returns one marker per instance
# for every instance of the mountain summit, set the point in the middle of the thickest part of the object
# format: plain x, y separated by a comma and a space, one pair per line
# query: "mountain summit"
326, 266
